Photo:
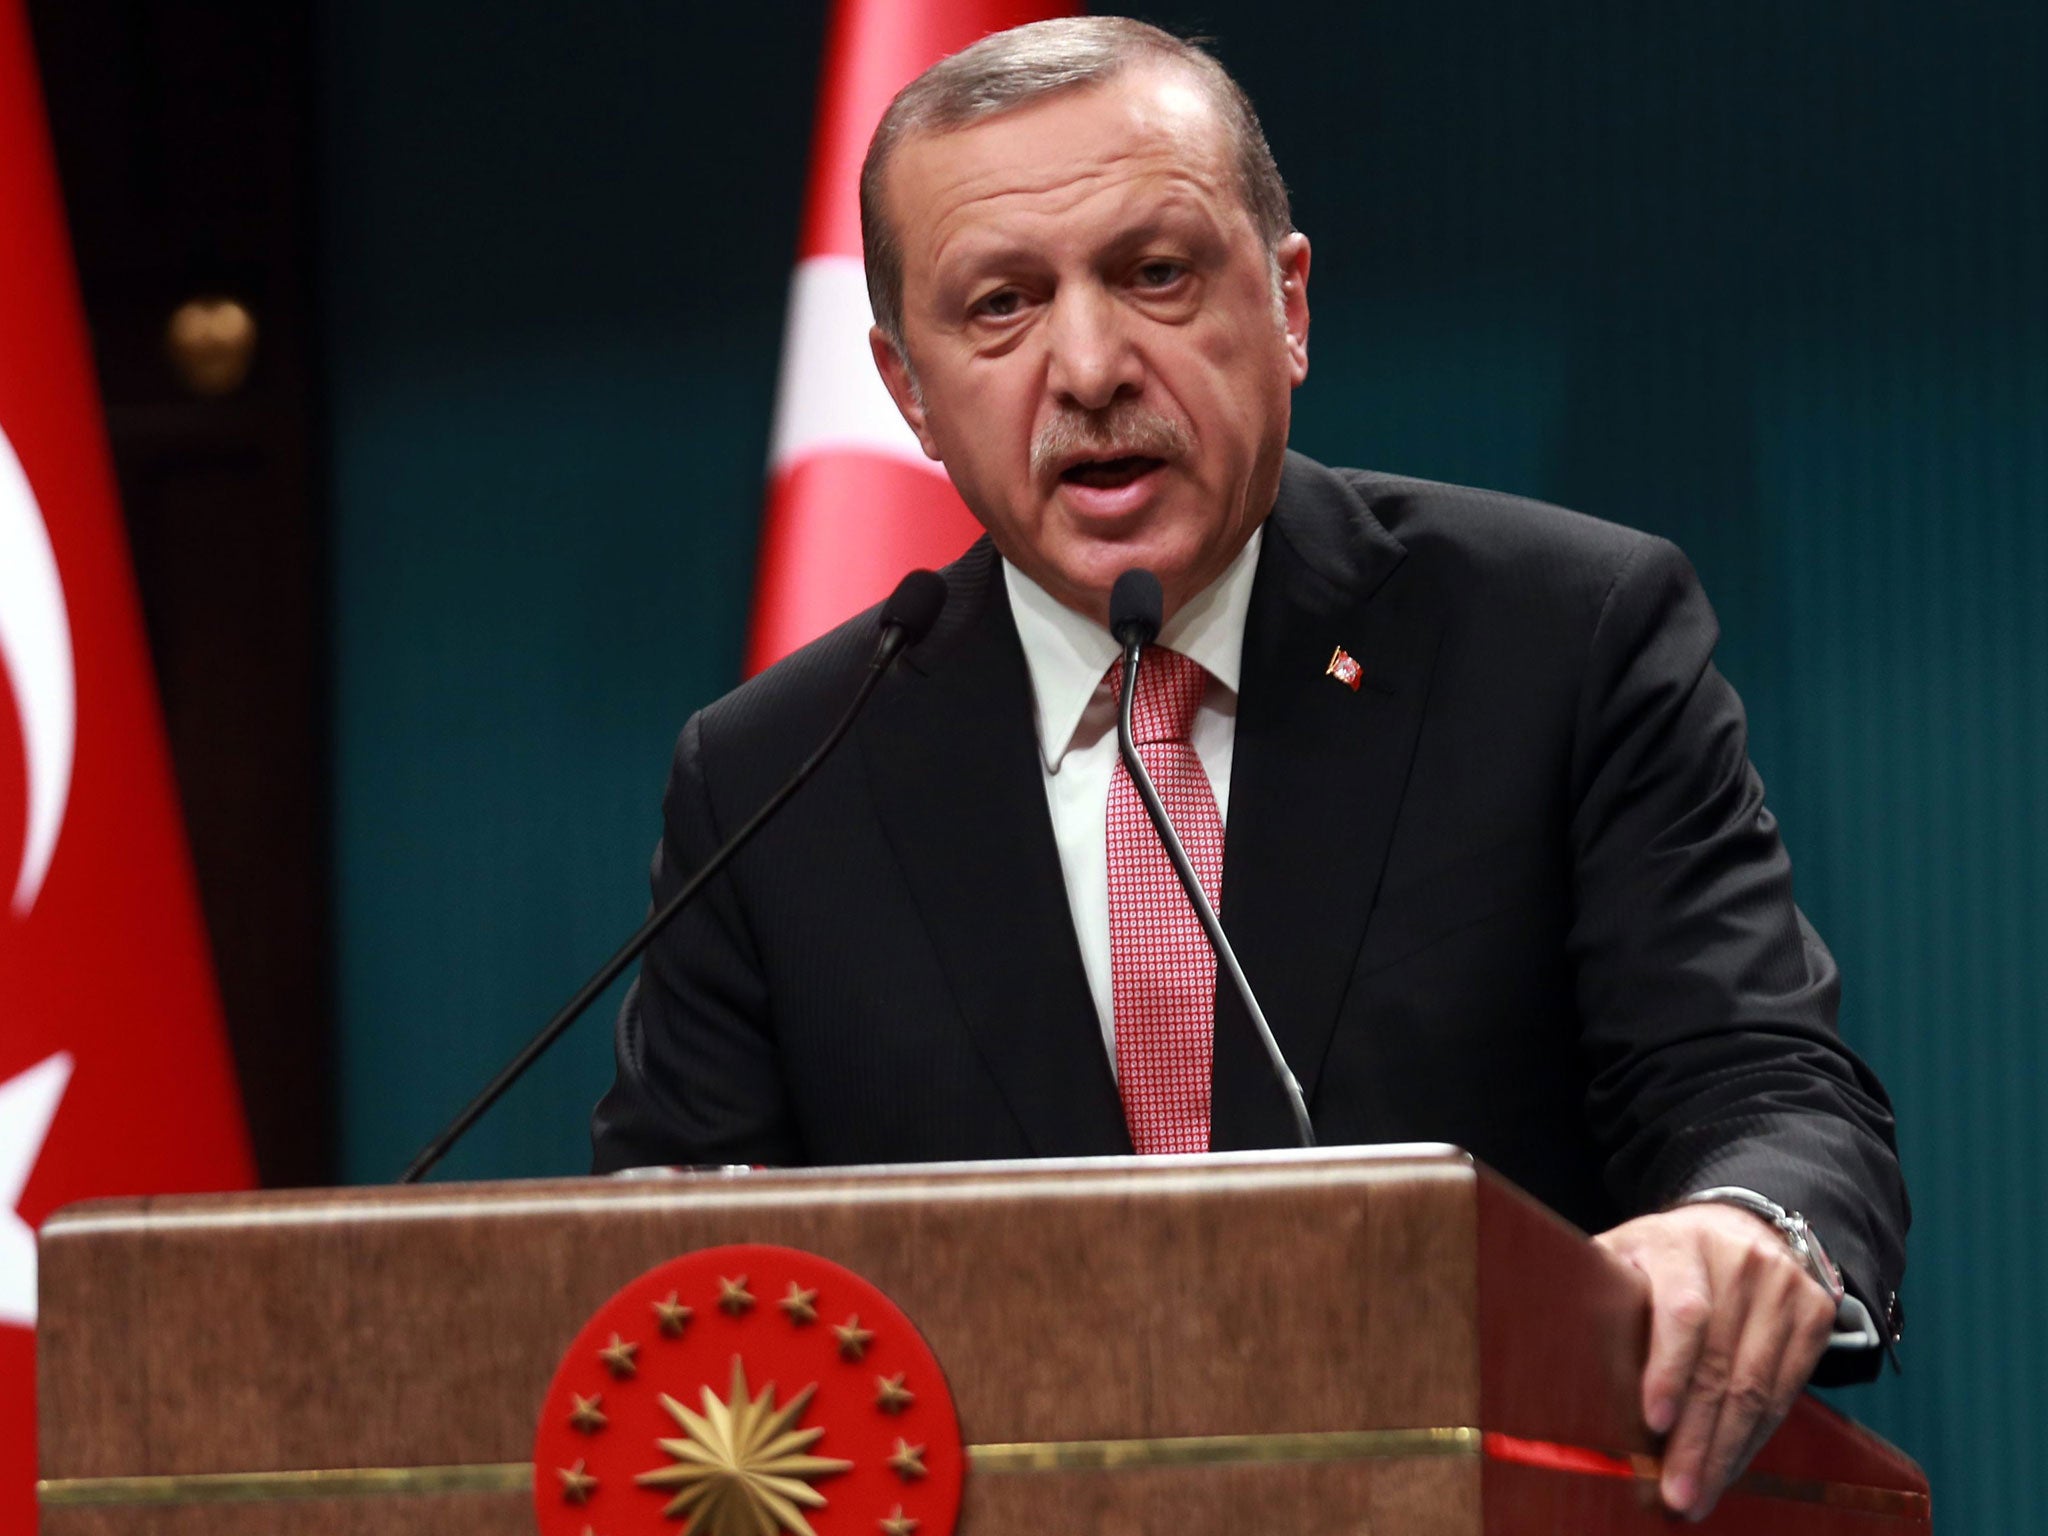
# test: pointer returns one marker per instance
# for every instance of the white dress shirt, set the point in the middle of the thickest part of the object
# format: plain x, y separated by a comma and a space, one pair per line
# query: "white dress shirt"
1069, 658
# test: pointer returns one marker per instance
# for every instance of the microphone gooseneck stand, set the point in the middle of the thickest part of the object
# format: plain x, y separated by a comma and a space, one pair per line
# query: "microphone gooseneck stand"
1136, 605
906, 617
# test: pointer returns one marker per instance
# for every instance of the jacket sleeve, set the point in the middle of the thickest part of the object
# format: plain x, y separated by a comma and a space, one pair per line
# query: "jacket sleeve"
697, 1080
1708, 1001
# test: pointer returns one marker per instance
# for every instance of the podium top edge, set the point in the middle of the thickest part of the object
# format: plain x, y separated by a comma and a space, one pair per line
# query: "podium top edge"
743, 1187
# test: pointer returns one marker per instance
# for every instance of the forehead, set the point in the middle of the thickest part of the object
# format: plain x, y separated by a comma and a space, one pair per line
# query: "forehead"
1148, 132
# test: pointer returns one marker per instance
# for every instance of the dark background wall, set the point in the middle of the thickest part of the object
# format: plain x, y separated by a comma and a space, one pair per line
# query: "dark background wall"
1764, 278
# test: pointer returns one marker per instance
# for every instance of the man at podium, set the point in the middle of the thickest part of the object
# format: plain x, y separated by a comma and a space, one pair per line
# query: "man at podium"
1457, 769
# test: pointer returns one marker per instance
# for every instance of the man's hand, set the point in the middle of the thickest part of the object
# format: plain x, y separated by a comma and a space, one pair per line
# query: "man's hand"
1735, 1328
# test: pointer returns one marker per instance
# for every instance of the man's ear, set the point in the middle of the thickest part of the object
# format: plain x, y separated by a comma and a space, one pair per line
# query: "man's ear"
1292, 257
896, 378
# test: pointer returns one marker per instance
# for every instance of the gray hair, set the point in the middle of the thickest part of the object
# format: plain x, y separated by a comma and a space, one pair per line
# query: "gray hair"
1014, 68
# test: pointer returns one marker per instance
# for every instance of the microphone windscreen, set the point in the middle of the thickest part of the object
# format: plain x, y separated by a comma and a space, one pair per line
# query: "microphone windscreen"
914, 606
1136, 607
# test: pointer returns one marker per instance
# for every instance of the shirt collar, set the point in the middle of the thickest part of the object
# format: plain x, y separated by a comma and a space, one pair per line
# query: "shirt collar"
1068, 655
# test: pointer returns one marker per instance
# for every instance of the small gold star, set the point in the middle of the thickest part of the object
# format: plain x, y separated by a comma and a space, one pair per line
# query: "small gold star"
891, 1396
733, 1296
618, 1358
853, 1339
577, 1484
907, 1461
800, 1304
897, 1523
587, 1413
672, 1316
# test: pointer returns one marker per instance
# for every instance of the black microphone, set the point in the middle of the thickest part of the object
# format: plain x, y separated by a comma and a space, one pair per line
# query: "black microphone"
906, 618
1136, 605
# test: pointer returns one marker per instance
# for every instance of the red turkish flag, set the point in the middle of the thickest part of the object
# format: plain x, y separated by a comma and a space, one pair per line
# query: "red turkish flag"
853, 502
114, 1072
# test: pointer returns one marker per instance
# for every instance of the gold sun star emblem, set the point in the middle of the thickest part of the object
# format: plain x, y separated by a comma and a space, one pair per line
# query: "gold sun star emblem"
743, 1470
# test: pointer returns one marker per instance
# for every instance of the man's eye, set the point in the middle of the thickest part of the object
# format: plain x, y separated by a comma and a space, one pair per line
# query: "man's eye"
1000, 305
1160, 274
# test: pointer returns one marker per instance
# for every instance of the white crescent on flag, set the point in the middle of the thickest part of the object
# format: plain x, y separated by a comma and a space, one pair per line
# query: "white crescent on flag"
35, 648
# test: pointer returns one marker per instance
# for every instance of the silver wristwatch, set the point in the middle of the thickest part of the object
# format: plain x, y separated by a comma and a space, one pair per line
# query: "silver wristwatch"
1854, 1328
1793, 1227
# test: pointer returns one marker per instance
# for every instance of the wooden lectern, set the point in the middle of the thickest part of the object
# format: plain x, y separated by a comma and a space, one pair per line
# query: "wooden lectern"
1391, 1341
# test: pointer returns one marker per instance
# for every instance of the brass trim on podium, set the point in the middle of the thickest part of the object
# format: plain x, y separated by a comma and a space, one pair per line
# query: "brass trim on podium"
514, 1476
302, 1483
1222, 1450
1023, 1456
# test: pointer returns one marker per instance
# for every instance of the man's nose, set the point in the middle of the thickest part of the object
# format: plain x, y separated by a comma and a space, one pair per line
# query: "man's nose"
1093, 360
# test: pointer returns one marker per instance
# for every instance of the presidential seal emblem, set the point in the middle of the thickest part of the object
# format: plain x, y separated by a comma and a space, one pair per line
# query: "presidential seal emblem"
748, 1391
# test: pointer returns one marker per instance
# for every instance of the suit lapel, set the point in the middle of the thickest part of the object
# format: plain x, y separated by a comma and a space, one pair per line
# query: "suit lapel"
1316, 783
954, 763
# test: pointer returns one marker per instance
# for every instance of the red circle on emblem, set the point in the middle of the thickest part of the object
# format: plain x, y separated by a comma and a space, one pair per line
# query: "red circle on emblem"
743, 1390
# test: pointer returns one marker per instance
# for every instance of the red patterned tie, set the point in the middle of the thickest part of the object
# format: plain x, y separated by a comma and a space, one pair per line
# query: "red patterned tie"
1162, 971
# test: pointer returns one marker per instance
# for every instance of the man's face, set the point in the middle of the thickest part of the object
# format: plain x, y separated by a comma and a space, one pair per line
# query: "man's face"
1096, 350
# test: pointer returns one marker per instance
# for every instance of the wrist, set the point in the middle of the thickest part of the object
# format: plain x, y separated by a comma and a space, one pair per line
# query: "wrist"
1791, 1226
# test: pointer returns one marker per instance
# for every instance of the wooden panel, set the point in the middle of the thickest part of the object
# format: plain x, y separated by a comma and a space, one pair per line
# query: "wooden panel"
1565, 1329
1395, 1498
1418, 1498
420, 1327
1117, 1299
496, 1514
1526, 1501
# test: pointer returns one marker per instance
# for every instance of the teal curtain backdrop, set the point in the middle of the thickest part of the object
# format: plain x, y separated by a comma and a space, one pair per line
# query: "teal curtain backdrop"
1766, 278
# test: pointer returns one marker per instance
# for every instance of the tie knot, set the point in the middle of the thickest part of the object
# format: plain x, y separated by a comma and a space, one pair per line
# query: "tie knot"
1170, 689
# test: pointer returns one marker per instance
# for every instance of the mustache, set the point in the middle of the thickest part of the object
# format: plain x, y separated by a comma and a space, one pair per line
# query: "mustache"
1124, 429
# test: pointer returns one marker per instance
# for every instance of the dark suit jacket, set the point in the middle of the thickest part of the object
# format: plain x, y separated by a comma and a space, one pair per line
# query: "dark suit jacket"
1519, 892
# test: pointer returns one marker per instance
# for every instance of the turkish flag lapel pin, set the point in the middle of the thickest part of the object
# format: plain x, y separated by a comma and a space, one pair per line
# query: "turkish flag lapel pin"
1345, 669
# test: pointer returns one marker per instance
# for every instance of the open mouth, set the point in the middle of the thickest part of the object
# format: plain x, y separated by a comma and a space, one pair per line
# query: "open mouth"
1108, 474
